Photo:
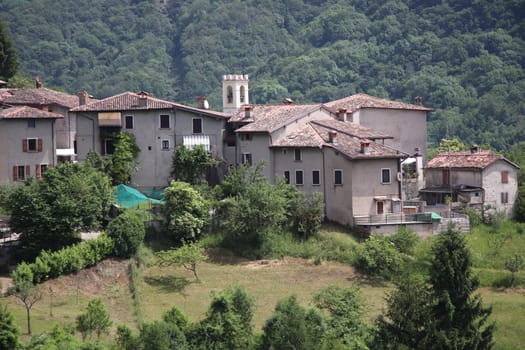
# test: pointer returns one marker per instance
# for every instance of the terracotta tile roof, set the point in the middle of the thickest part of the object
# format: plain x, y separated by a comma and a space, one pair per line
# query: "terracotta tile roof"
358, 101
268, 118
465, 159
129, 101
38, 97
314, 134
25, 112
352, 129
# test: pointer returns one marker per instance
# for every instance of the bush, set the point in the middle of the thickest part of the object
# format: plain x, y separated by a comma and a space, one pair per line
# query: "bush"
127, 232
308, 215
404, 240
378, 257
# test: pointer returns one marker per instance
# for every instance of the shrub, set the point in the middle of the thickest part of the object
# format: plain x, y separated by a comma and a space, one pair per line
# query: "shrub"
127, 232
377, 256
404, 240
308, 215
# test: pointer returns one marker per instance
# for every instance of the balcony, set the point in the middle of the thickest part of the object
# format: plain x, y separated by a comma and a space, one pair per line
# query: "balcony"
395, 219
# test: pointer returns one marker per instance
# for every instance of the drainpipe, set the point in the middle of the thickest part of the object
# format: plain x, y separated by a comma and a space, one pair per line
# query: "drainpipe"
324, 183
53, 141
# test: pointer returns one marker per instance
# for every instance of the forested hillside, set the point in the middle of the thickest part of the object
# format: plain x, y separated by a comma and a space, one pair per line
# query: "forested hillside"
465, 58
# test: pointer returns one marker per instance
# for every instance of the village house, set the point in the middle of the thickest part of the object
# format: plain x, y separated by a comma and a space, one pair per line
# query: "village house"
477, 179
158, 126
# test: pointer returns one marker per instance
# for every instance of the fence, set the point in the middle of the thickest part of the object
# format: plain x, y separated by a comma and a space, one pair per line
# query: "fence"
392, 219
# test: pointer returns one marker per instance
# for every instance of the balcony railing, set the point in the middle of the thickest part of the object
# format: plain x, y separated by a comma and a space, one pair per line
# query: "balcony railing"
391, 219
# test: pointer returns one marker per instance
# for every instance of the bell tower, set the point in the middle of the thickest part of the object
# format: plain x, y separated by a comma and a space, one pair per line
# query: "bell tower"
234, 92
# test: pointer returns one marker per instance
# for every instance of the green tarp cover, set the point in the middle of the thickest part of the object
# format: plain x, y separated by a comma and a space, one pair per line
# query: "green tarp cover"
128, 197
435, 216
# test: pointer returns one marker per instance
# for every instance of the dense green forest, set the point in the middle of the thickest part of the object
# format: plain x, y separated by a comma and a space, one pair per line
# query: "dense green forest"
465, 58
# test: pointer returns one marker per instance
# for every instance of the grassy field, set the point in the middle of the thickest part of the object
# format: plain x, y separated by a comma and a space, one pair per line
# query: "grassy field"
268, 281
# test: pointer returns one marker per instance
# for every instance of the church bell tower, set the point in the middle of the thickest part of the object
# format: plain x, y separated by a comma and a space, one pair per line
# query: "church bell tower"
234, 92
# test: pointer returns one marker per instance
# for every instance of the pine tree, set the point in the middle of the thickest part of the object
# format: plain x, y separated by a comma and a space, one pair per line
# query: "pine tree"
9, 332
8, 55
459, 316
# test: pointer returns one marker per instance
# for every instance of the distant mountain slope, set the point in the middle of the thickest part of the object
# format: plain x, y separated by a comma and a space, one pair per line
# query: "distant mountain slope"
466, 59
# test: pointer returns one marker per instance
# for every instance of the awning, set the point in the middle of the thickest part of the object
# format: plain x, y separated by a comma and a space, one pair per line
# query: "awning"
109, 119
380, 198
409, 161
65, 151
194, 140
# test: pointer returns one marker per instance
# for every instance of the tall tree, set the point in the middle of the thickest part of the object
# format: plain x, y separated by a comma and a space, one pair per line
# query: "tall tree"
8, 55
460, 319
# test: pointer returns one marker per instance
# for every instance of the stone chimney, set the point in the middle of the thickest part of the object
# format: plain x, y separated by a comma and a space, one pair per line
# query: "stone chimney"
364, 147
83, 98
418, 100
342, 114
248, 111
201, 102
331, 136
38, 82
474, 149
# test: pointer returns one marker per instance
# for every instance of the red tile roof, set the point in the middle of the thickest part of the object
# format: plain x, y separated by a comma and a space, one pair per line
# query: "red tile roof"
465, 159
358, 101
267, 118
352, 129
25, 112
37, 97
130, 101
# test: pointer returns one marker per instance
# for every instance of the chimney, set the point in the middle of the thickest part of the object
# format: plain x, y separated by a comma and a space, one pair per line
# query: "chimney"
288, 101
364, 147
331, 136
419, 100
474, 149
38, 82
341, 114
83, 98
200, 102
143, 99
248, 112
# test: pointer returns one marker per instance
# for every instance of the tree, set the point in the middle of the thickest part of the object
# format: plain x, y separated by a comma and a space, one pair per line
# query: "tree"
185, 210
127, 232
162, 335
123, 161
9, 332
187, 256
513, 263
24, 290
308, 214
377, 256
459, 316
190, 164
95, 319
293, 327
8, 55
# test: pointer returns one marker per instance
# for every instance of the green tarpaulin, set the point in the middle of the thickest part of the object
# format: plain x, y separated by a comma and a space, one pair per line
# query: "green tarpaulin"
128, 197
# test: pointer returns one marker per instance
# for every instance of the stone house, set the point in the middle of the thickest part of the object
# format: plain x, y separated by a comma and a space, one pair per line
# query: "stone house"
475, 178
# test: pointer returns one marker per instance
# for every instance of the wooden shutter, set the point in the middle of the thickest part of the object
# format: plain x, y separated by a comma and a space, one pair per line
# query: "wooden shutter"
15, 173
39, 145
24, 145
28, 171
38, 171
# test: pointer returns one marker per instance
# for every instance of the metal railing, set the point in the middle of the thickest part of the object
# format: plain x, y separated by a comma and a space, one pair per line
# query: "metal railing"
386, 219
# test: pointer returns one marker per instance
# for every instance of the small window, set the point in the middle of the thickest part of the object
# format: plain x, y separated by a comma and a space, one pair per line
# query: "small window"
385, 176
165, 145
164, 121
229, 96
129, 122
242, 91
109, 146
338, 177
299, 177
297, 155
504, 197
31, 123
32, 145
40, 169
380, 207
504, 177
197, 125
246, 158
316, 177
287, 176
284, 151
21, 172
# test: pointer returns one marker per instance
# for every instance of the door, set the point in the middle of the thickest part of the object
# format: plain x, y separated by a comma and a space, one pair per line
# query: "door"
380, 207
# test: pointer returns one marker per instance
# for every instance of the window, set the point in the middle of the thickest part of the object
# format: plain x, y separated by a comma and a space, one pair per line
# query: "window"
31, 123
242, 94
287, 176
246, 158
504, 177
109, 147
164, 121
197, 125
446, 177
299, 177
380, 207
165, 144
316, 177
229, 96
385, 176
129, 122
39, 170
20, 172
246, 137
504, 197
297, 155
32, 145
338, 177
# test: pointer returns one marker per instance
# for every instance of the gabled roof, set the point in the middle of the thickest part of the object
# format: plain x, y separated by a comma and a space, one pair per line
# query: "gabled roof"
359, 101
466, 159
130, 101
352, 129
315, 134
40, 96
25, 112
268, 118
